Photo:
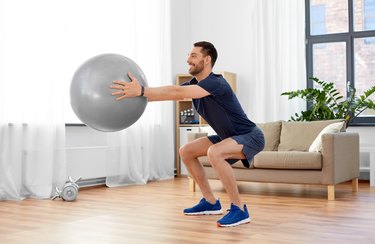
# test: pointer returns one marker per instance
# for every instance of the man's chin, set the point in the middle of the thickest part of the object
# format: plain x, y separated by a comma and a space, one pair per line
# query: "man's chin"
192, 73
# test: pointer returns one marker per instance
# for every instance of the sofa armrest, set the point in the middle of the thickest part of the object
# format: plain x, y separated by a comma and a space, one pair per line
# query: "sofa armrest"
195, 135
340, 157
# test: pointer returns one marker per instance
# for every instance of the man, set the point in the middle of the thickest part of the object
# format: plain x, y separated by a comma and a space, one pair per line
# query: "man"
237, 137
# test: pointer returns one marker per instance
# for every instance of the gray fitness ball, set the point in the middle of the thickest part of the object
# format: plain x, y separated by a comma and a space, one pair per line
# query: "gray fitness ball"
90, 93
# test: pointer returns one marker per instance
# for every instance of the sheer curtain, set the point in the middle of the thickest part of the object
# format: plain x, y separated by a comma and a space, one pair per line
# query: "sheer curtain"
42, 43
32, 130
278, 57
145, 150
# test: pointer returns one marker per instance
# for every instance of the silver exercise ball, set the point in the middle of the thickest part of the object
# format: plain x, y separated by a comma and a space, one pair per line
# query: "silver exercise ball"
91, 96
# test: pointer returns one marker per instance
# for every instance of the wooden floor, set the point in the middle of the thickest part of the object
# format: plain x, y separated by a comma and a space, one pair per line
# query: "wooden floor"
152, 213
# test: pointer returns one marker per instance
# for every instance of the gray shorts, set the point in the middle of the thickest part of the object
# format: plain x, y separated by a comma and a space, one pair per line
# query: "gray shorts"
253, 143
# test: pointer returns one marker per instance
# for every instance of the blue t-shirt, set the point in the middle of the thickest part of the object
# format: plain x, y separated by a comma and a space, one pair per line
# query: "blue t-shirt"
221, 109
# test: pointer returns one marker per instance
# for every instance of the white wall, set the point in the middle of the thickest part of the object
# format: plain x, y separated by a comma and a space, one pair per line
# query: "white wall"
181, 33
366, 139
223, 23
226, 27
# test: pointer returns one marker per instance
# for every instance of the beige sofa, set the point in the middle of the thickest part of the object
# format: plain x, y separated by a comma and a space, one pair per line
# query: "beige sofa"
285, 158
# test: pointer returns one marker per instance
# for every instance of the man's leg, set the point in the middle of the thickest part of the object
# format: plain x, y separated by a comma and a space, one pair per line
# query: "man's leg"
217, 154
189, 154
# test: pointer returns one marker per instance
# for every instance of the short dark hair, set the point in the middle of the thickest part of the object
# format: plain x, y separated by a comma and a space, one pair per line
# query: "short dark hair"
208, 49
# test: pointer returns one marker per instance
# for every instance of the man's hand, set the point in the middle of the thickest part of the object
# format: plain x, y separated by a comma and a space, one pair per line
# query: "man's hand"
126, 89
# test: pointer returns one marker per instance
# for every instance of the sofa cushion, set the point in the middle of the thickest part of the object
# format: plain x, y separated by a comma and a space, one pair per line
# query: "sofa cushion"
298, 136
204, 161
271, 131
288, 160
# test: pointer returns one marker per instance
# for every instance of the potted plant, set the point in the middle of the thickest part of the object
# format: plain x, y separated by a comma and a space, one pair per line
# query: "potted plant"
327, 103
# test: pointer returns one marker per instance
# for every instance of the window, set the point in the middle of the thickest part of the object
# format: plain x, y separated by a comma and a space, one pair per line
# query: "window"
341, 46
369, 18
369, 13
318, 20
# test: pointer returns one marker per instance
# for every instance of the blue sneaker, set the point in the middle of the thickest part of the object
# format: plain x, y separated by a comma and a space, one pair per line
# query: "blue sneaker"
235, 217
204, 208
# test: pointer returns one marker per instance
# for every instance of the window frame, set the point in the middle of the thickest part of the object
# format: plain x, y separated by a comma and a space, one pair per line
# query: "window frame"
348, 38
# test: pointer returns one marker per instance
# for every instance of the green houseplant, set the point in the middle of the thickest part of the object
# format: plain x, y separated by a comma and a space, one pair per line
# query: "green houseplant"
327, 103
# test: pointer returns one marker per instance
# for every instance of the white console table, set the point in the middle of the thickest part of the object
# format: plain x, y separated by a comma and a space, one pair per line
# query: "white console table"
370, 150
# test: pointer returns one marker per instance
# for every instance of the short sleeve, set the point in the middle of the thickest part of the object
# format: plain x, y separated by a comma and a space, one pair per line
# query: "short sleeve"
215, 88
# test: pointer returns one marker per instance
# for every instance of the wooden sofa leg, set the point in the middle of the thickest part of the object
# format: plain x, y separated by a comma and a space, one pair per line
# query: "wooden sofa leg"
331, 192
192, 184
355, 185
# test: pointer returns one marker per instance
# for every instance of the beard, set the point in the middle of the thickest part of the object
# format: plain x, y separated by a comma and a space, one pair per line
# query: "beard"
194, 70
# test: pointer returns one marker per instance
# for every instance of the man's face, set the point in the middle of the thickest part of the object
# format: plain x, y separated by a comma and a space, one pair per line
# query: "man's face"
195, 61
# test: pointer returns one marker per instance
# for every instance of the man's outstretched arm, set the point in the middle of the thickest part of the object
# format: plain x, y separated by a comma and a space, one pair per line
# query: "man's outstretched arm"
164, 93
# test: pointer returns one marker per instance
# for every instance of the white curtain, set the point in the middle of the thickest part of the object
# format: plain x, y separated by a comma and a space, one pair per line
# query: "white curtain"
145, 150
32, 130
42, 44
278, 57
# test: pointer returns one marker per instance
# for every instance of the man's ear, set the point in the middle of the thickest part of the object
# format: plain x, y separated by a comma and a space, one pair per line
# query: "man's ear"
207, 60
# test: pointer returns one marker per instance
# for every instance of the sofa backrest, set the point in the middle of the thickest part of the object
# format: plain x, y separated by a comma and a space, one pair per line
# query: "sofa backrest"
298, 136
292, 135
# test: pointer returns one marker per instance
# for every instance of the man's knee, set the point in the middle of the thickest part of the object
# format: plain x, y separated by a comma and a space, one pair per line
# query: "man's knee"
186, 152
214, 154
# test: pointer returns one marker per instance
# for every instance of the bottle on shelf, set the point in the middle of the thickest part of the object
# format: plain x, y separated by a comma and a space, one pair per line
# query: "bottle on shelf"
189, 116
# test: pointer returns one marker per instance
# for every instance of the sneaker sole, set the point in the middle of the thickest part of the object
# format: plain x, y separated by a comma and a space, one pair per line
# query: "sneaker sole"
213, 212
244, 221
